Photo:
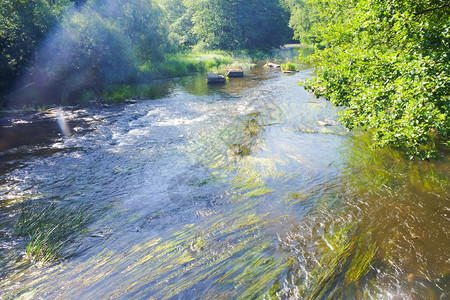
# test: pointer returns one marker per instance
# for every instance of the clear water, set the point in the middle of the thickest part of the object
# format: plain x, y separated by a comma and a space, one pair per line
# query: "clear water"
227, 192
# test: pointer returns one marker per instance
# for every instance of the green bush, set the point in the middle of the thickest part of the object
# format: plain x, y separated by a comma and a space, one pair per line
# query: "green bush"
119, 93
182, 64
387, 63
211, 63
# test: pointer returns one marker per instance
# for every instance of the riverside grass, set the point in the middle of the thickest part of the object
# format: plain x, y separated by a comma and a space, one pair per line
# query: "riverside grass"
185, 63
142, 85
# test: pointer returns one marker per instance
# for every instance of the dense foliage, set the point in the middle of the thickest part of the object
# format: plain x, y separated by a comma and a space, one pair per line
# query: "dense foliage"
387, 63
23, 25
239, 24
54, 51
228, 24
303, 19
82, 47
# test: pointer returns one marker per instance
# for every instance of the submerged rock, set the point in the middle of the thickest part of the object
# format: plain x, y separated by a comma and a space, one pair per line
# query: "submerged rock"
27, 130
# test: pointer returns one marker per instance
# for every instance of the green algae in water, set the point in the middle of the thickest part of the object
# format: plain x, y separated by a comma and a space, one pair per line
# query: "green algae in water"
345, 260
340, 268
230, 258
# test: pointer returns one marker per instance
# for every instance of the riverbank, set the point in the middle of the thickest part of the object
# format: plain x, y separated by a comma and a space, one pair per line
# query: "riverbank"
174, 65
140, 83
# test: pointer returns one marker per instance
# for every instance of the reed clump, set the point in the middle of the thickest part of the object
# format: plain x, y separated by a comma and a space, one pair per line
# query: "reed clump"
49, 227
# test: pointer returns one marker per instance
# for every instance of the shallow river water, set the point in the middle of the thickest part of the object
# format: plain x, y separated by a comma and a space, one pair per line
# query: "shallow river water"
228, 192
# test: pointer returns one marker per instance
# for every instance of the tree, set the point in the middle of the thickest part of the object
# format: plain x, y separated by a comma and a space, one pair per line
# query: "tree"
264, 23
95, 45
89, 50
238, 24
180, 23
142, 21
388, 64
303, 20
23, 25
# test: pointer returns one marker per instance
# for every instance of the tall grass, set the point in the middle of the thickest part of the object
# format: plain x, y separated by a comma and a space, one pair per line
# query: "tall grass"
289, 66
182, 64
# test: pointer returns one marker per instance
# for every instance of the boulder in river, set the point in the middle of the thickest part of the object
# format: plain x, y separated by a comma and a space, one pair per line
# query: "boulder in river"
215, 78
321, 123
272, 65
235, 72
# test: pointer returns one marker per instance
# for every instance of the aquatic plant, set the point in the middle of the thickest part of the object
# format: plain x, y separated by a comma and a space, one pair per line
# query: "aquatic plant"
373, 167
49, 227
345, 265
334, 269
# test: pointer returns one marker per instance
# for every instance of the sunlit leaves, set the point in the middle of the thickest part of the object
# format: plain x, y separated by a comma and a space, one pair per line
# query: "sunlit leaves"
388, 65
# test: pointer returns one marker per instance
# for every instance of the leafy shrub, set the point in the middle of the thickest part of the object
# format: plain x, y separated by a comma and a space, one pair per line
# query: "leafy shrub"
182, 64
211, 63
119, 93
387, 64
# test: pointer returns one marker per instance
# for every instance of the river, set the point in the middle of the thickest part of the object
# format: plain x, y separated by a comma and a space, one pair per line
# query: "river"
228, 192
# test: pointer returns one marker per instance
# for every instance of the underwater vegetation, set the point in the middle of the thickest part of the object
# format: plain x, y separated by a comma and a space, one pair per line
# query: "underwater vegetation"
336, 266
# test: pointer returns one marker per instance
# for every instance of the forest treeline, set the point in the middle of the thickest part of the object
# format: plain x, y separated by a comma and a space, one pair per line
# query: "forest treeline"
60, 48
386, 62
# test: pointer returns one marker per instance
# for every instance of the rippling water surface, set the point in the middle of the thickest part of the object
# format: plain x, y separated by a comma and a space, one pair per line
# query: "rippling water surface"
229, 192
